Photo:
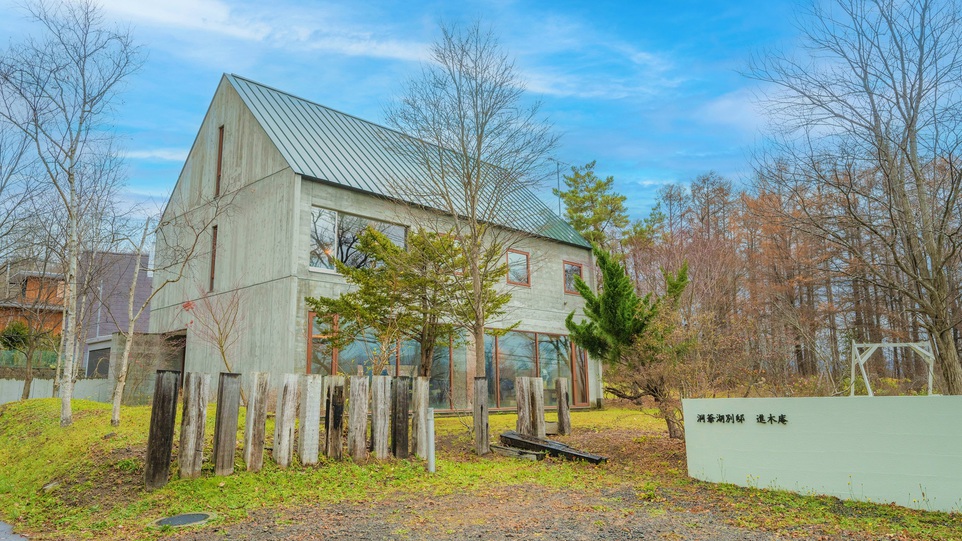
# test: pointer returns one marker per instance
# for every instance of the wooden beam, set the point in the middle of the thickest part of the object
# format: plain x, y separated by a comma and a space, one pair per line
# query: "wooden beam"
553, 448
513, 452
225, 422
160, 438
255, 425
193, 421
284, 417
357, 419
380, 416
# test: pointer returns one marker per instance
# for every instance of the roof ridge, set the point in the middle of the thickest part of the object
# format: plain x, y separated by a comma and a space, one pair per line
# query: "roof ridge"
321, 105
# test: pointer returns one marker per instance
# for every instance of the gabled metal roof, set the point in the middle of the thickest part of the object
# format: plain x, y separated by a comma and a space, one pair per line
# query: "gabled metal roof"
335, 147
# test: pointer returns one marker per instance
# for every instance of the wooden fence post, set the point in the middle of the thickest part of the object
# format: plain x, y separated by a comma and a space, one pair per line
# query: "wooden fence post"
335, 421
380, 415
160, 439
225, 422
284, 421
399, 416
537, 408
522, 394
564, 410
482, 441
193, 421
255, 424
357, 419
309, 427
419, 418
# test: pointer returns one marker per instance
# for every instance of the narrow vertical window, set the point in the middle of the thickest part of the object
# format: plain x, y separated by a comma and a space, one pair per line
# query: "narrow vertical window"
213, 257
220, 159
572, 271
519, 270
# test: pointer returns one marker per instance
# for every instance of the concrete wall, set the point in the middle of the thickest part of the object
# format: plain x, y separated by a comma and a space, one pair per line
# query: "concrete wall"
542, 307
902, 450
263, 251
84, 389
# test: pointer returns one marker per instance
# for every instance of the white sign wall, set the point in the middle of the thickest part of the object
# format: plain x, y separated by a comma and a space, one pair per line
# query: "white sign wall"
906, 450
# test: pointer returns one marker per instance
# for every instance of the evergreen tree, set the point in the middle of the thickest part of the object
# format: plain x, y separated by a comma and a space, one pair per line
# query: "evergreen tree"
591, 207
631, 334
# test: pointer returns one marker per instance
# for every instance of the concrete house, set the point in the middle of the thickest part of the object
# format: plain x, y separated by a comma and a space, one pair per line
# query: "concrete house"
302, 180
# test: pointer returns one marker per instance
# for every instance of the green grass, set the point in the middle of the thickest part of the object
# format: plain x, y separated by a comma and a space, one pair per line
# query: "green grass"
93, 474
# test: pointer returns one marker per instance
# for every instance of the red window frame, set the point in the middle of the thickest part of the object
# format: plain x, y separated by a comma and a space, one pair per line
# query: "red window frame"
564, 280
527, 264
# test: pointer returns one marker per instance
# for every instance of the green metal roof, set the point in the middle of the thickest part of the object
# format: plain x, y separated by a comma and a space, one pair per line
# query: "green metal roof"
341, 149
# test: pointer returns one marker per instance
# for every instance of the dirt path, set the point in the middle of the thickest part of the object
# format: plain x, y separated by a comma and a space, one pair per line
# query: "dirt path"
518, 513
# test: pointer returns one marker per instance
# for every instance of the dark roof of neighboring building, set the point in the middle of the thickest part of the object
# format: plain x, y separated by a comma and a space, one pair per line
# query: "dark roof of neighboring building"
335, 147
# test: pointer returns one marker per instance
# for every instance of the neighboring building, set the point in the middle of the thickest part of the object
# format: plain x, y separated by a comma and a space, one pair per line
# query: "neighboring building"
34, 293
107, 293
303, 181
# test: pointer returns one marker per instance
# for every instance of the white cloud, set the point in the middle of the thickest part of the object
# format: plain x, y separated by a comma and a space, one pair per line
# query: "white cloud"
738, 109
205, 15
289, 28
159, 154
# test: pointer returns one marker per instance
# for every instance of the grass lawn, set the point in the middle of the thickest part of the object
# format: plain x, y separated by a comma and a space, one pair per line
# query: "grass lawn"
86, 481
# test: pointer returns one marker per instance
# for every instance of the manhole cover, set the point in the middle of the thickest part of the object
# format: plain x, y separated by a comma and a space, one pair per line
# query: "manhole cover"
186, 519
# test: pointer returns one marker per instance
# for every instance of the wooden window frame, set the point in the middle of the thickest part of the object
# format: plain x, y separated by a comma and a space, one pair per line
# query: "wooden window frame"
564, 281
213, 257
572, 360
527, 264
220, 159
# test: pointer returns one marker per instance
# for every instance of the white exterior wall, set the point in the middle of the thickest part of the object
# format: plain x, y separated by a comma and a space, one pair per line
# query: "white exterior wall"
892, 449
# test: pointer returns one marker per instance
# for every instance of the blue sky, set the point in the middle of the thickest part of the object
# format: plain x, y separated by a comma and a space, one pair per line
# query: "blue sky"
649, 89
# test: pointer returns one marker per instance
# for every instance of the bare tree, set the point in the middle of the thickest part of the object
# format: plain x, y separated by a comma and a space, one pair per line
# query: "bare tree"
870, 117
59, 90
479, 147
217, 319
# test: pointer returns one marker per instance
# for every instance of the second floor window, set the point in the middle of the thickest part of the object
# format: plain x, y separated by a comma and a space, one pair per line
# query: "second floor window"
572, 271
519, 272
335, 235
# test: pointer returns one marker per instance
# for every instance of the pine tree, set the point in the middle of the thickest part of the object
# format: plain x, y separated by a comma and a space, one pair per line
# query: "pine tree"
631, 334
591, 207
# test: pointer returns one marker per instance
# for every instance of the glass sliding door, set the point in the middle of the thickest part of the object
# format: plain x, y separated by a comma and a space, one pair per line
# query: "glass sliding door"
554, 360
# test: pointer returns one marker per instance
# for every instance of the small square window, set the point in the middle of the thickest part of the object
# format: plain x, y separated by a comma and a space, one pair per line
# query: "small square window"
572, 270
519, 271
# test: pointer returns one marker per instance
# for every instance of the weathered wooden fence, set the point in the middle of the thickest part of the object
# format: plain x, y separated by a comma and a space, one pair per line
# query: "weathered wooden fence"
300, 402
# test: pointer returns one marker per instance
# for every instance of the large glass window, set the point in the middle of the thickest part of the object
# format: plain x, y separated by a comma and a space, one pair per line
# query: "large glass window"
515, 360
441, 377
518, 269
554, 360
572, 271
335, 234
448, 362
323, 238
